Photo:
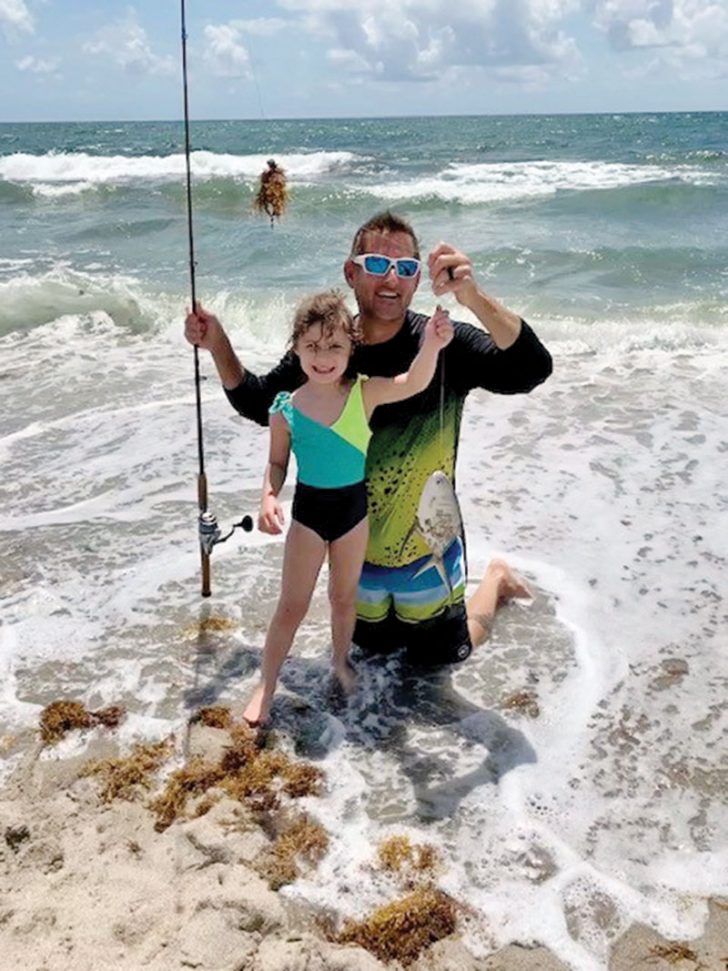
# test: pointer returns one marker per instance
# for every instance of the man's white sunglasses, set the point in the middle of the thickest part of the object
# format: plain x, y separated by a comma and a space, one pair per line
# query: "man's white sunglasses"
377, 265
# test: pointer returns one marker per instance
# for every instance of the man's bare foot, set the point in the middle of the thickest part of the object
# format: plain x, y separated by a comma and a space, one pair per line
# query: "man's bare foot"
257, 711
346, 676
509, 585
500, 584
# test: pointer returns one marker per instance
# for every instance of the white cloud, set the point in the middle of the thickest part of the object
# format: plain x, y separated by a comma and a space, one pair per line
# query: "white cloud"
36, 65
423, 39
691, 29
262, 26
126, 43
15, 16
225, 53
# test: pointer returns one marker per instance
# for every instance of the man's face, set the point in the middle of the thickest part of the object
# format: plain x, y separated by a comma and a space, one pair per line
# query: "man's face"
385, 298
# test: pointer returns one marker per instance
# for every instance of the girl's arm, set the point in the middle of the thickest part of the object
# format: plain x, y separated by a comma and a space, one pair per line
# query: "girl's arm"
379, 391
270, 517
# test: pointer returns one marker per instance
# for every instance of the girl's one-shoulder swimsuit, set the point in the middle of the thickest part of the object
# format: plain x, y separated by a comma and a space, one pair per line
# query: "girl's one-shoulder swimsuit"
331, 494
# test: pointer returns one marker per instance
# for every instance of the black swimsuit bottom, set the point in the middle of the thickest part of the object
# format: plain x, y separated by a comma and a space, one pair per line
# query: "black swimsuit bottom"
330, 512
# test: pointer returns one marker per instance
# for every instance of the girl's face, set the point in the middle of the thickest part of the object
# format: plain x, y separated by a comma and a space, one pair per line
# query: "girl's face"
324, 357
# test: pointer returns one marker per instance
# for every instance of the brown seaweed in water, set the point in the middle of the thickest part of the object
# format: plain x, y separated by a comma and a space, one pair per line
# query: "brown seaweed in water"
402, 930
60, 717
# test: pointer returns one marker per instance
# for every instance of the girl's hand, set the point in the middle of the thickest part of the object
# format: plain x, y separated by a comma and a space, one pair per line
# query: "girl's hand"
439, 329
270, 517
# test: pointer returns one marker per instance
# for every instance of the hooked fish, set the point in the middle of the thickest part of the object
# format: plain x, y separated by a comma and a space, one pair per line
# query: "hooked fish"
438, 522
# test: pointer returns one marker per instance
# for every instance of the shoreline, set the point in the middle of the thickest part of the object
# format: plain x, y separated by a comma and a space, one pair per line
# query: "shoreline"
83, 881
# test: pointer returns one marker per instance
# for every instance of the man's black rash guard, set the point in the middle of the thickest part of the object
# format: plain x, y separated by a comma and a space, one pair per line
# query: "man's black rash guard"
411, 438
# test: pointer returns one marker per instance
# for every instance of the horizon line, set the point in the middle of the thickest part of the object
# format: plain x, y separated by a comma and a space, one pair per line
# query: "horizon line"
510, 114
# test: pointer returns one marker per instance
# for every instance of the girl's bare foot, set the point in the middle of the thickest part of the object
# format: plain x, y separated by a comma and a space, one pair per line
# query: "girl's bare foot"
346, 676
257, 711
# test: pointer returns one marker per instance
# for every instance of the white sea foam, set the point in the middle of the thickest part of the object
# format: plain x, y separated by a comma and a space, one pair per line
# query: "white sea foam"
34, 299
56, 191
510, 181
79, 170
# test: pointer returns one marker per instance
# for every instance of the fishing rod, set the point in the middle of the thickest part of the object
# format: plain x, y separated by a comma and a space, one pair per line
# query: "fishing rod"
209, 531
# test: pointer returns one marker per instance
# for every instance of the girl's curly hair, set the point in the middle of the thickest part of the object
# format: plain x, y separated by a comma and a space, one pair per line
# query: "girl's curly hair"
330, 311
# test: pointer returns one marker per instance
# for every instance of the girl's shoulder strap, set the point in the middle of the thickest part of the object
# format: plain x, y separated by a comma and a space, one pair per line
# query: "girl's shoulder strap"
282, 403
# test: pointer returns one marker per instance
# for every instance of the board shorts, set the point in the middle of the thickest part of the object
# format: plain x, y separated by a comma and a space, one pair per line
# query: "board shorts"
396, 608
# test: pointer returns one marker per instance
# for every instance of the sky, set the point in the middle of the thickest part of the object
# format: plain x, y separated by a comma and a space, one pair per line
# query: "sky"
85, 60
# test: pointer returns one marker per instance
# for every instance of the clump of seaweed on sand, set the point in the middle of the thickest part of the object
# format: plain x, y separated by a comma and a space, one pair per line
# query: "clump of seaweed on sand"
60, 717
192, 779
211, 625
414, 862
126, 777
251, 774
214, 716
247, 772
299, 840
524, 702
674, 952
403, 929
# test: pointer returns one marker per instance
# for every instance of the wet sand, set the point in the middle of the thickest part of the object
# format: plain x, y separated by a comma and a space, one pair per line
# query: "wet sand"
86, 884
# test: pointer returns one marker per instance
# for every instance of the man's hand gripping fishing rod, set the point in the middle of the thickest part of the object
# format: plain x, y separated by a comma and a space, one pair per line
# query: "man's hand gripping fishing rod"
210, 533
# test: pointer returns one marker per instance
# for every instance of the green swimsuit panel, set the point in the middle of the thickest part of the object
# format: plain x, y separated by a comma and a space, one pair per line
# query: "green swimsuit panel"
328, 456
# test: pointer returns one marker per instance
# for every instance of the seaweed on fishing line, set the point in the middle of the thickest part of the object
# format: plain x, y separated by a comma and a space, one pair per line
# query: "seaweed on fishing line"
60, 717
123, 778
301, 840
403, 929
272, 195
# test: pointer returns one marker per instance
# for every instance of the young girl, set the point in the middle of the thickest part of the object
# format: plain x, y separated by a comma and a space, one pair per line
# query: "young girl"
326, 423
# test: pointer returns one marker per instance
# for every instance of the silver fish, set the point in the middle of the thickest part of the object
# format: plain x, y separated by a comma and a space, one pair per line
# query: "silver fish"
438, 522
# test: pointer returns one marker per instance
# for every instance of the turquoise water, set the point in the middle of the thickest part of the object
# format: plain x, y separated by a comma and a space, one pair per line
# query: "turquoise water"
606, 487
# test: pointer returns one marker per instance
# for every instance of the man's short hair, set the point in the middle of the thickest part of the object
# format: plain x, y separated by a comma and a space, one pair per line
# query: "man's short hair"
384, 222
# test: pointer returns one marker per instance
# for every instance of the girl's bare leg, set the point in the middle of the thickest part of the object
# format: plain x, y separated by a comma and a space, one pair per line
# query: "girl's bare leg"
346, 557
302, 559
499, 584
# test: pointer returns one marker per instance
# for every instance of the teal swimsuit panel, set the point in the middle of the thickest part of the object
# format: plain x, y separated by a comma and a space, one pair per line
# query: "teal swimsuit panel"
328, 456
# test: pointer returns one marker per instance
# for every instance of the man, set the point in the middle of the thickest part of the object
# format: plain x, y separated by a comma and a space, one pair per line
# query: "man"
400, 604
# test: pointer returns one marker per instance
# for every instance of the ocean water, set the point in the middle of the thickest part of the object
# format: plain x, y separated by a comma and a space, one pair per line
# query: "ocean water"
607, 487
